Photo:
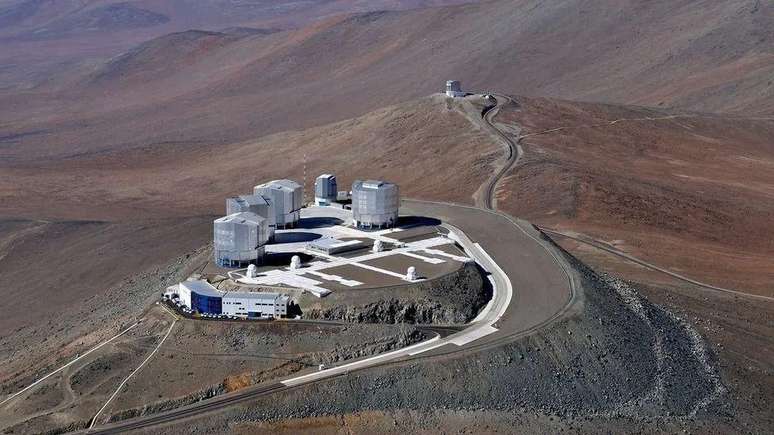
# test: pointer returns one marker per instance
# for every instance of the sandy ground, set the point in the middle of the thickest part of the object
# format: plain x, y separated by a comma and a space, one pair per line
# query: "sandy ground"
199, 359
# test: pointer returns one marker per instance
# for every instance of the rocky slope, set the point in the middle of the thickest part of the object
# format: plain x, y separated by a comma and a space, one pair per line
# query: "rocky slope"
620, 357
452, 299
712, 56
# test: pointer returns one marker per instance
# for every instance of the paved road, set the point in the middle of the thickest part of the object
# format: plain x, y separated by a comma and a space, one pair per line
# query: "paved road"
482, 326
486, 198
544, 285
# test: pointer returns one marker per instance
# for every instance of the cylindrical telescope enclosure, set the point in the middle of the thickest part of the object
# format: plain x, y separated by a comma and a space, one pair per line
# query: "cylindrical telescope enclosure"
239, 239
257, 204
325, 189
287, 198
375, 204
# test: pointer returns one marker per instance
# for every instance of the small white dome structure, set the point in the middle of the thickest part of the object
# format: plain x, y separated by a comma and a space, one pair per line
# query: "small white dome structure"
411, 274
295, 262
252, 271
377, 246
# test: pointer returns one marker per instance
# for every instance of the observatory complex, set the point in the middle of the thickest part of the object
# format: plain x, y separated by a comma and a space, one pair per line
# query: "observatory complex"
342, 248
375, 204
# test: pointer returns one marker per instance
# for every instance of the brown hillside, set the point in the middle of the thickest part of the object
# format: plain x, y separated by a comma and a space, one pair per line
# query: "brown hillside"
427, 146
704, 55
688, 191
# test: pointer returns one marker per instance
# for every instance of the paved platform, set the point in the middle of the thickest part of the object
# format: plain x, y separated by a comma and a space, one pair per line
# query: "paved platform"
417, 245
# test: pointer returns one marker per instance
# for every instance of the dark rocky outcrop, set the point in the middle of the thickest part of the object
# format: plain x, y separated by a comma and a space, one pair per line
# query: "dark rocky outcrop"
452, 299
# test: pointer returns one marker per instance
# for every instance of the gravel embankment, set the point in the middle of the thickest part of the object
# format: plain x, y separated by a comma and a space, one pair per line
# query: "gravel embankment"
452, 299
621, 357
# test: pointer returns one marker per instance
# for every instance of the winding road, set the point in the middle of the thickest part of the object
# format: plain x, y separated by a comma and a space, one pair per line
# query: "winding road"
532, 285
486, 198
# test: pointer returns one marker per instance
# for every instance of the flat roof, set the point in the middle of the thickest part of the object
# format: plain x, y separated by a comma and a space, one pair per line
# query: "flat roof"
283, 184
252, 295
242, 217
370, 184
251, 199
202, 287
330, 242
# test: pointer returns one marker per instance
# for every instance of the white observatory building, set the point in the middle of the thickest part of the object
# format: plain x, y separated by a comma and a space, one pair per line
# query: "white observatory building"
286, 197
239, 239
454, 89
325, 189
257, 204
375, 204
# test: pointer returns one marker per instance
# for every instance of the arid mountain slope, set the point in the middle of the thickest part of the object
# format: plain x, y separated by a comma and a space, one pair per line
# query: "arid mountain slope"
99, 232
427, 145
706, 55
42, 37
688, 191
111, 215
33, 19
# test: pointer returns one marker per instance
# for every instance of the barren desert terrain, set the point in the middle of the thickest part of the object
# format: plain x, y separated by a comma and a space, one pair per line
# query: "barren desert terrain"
642, 127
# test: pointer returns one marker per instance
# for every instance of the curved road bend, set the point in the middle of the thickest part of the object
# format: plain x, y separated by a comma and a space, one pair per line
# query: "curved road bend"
486, 197
533, 287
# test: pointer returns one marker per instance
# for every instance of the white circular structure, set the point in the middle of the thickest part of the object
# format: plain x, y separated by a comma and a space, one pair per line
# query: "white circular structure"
295, 262
411, 273
377, 246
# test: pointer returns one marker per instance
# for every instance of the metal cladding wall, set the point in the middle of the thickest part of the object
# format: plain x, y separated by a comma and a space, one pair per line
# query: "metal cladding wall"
375, 203
255, 304
326, 188
287, 198
239, 239
257, 204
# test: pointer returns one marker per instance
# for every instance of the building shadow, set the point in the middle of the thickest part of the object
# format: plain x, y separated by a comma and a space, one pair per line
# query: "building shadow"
279, 259
417, 221
294, 310
319, 222
295, 237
